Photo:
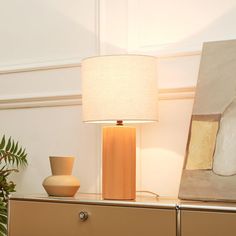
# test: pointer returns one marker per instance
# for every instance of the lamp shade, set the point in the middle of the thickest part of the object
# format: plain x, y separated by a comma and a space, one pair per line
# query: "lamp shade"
119, 87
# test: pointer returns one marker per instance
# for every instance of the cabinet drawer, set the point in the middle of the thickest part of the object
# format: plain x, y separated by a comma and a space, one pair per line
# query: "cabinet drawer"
29, 218
204, 223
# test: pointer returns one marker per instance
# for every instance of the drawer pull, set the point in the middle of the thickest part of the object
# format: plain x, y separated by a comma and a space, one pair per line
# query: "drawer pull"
83, 215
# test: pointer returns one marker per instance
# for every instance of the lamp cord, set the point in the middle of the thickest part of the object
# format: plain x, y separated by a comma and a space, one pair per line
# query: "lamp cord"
139, 191
149, 192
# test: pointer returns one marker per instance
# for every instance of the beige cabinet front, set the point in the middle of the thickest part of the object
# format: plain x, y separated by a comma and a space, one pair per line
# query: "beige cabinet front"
31, 218
204, 223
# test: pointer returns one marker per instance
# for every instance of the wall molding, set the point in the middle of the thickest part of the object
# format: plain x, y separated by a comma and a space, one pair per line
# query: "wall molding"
28, 67
36, 101
70, 63
177, 93
75, 99
180, 54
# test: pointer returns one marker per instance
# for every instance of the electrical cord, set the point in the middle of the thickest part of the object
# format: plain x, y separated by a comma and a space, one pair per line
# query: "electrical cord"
138, 191
149, 192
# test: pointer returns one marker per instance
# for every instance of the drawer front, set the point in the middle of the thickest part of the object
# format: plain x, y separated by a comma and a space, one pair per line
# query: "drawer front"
29, 218
203, 223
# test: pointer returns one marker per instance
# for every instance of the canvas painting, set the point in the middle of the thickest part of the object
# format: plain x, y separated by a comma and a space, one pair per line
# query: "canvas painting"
209, 171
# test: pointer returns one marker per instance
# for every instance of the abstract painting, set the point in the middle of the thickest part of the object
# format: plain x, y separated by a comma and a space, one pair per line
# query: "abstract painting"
209, 171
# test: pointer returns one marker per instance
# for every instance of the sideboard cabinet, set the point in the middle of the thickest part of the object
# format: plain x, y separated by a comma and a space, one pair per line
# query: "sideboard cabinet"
89, 215
48, 216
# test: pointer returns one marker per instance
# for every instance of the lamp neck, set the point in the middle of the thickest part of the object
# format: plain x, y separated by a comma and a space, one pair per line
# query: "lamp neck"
119, 122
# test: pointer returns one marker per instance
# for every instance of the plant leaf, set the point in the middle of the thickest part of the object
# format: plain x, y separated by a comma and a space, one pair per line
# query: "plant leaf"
16, 148
3, 229
8, 144
12, 146
19, 152
2, 144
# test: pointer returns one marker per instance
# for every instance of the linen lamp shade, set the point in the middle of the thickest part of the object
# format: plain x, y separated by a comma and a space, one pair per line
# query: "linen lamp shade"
117, 89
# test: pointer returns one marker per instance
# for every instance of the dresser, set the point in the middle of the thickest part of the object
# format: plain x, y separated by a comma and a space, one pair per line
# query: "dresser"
89, 215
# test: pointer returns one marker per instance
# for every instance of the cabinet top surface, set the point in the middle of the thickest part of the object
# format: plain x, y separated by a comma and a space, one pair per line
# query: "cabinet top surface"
141, 200
96, 199
210, 206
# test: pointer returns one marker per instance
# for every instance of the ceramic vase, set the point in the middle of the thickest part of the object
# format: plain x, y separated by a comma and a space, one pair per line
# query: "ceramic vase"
61, 183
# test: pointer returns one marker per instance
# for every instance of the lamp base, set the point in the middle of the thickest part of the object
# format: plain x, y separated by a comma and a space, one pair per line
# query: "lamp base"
119, 163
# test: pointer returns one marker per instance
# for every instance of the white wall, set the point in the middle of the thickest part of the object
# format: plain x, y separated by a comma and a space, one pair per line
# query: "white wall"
174, 31
34, 31
57, 35
42, 44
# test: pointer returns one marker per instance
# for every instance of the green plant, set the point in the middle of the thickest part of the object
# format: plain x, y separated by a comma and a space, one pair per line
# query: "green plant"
3, 219
12, 156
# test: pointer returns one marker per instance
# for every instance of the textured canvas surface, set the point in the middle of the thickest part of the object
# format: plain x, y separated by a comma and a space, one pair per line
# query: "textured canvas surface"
202, 144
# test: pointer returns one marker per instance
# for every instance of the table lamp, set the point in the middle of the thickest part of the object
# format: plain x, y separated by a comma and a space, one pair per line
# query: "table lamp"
119, 89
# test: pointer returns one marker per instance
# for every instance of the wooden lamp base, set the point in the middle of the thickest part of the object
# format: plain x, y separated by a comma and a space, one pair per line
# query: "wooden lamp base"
119, 163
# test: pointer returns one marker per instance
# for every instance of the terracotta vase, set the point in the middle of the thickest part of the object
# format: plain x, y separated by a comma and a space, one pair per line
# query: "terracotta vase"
61, 183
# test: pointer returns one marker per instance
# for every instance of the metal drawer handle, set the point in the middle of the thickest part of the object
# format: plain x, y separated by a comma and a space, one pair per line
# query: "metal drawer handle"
83, 215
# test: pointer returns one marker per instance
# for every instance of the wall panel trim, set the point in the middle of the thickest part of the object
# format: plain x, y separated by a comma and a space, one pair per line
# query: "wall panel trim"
52, 65
36, 101
177, 93
73, 99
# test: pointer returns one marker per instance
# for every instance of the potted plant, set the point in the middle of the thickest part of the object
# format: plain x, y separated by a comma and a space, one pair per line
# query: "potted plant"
12, 156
